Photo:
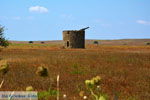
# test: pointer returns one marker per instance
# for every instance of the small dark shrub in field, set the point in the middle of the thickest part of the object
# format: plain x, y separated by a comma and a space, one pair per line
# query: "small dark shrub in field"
4, 67
95, 42
42, 42
4, 43
31, 42
148, 43
42, 71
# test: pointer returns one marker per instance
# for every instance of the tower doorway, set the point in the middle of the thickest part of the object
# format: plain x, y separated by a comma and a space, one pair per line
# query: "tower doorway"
67, 43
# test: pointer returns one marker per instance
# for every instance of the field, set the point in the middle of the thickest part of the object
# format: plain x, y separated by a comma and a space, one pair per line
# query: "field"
125, 69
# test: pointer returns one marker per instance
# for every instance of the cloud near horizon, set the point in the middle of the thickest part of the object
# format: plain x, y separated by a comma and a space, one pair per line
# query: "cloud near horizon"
143, 22
38, 9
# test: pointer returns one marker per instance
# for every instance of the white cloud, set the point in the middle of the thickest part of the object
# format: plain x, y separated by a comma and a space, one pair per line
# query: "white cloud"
143, 22
38, 9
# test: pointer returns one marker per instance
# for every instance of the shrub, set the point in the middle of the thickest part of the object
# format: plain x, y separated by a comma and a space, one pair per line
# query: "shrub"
95, 42
3, 41
31, 42
148, 43
42, 42
29, 88
4, 67
42, 71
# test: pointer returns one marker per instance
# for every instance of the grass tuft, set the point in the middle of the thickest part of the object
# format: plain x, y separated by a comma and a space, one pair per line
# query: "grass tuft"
29, 88
4, 67
42, 71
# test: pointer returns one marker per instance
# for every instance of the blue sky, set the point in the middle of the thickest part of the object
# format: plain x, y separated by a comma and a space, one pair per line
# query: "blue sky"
46, 19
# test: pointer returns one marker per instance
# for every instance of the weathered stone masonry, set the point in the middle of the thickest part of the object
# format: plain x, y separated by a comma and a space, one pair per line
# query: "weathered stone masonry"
74, 38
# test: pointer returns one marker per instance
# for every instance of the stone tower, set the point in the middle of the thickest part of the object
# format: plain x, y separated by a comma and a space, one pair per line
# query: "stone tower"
74, 38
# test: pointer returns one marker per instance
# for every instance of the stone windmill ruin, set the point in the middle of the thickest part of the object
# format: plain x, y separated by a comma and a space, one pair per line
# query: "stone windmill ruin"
74, 38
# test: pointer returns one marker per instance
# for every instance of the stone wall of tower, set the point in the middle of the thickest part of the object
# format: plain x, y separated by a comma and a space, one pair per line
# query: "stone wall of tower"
74, 39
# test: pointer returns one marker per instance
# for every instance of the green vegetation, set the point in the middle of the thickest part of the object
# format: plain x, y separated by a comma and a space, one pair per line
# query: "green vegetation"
76, 69
31, 45
94, 86
45, 95
3, 41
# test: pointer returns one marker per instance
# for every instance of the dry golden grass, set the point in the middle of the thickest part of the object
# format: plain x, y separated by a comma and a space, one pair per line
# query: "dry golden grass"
125, 70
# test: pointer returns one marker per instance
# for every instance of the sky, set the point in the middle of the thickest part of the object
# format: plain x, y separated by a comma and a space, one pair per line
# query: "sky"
28, 20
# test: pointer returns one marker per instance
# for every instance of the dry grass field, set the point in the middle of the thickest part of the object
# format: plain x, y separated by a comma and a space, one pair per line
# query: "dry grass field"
125, 69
